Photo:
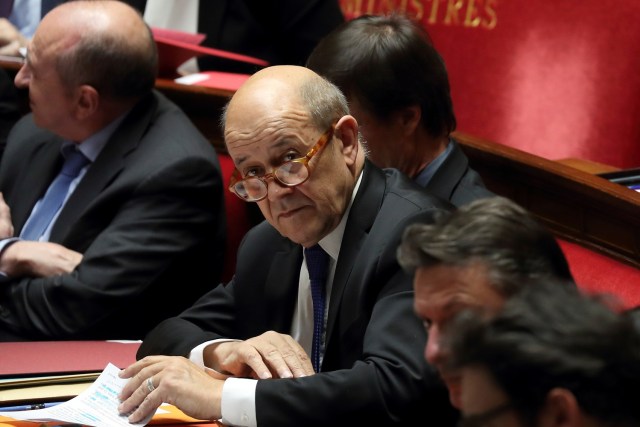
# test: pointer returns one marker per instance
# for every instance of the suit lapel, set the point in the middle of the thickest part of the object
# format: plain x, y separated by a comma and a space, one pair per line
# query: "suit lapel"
43, 166
106, 167
449, 174
361, 218
281, 289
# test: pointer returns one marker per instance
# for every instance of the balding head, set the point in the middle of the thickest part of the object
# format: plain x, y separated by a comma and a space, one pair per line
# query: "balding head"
283, 113
104, 44
290, 90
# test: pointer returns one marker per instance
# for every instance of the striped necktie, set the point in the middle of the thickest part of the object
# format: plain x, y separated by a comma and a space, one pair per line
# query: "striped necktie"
54, 197
317, 264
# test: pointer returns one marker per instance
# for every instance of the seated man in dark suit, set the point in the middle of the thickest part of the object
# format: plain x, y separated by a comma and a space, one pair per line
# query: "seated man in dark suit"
20, 18
297, 153
144, 211
398, 90
477, 256
9, 110
551, 357
281, 32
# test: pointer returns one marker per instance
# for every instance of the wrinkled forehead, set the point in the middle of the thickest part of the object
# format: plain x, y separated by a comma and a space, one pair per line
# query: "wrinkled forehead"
268, 137
264, 116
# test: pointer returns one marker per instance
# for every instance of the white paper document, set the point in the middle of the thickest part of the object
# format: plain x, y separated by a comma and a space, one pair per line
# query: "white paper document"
97, 406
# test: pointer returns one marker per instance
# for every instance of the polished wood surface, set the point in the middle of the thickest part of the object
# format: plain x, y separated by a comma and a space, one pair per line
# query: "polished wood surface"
587, 165
576, 205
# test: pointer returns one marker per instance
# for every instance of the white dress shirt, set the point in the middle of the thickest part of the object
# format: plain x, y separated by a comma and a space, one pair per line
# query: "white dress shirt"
238, 405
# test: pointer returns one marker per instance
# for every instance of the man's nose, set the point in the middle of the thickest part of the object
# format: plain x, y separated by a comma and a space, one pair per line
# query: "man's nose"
22, 77
433, 350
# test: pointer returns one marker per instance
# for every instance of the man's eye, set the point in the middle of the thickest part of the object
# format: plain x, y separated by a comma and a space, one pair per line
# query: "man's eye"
290, 156
252, 172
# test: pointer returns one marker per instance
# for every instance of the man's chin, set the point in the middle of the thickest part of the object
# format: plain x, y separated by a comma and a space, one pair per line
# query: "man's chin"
454, 393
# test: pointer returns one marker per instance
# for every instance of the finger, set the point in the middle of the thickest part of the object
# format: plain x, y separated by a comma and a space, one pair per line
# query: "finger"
137, 366
144, 401
253, 358
295, 358
138, 374
275, 352
301, 365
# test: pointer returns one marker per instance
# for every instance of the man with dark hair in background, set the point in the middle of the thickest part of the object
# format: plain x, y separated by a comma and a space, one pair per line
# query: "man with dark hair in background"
551, 357
477, 256
398, 90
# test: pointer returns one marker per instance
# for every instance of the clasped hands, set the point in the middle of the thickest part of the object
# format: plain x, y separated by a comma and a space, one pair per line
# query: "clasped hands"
28, 258
197, 391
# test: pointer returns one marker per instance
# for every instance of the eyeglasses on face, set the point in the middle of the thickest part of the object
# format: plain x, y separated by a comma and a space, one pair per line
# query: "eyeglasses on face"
481, 419
291, 173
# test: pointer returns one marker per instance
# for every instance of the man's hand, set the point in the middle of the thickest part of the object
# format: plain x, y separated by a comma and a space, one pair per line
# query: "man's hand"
38, 259
266, 356
6, 226
171, 379
11, 40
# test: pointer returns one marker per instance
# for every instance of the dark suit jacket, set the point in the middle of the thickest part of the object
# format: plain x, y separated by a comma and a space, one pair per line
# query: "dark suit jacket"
147, 214
373, 370
280, 32
9, 110
456, 181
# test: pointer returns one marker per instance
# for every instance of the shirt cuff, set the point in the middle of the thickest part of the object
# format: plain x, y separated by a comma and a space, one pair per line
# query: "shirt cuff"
4, 244
238, 405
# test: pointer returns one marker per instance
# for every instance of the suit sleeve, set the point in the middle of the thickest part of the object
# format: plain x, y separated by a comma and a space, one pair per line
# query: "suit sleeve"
389, 383
164, 219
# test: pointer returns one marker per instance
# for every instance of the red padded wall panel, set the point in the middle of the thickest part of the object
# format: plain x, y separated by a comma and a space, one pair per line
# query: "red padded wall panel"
556, 78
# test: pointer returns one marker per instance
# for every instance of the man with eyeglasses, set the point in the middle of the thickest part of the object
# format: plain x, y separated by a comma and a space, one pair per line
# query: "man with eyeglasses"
298, 156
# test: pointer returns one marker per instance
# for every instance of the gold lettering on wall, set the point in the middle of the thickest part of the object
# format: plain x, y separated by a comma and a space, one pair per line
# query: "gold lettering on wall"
464, 13
471, 18
453, 10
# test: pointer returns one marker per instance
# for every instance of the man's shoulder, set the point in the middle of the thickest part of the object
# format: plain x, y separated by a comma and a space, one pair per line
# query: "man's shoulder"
25, 135
401, 188
167, 125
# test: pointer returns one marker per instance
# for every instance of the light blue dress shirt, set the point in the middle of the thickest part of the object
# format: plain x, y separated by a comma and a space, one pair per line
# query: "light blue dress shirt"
25, 16
91, 148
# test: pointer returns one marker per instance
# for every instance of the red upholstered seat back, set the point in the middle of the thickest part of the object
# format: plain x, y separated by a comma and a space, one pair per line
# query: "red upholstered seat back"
596, 273
238, 222
554, 78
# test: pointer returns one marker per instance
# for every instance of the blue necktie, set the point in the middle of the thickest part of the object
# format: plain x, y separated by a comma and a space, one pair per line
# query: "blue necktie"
55, 195
317, 264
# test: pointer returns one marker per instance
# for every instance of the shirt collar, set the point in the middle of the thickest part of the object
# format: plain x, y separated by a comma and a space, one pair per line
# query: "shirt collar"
332, 241
427, 173
92, 146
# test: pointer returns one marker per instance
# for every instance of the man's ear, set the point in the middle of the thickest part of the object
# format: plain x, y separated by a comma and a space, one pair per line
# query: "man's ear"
561, 409
87, 101
347, 133
408, 119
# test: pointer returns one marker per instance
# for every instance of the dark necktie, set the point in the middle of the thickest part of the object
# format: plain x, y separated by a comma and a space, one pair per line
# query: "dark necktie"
5, 8
55, 195
317, 264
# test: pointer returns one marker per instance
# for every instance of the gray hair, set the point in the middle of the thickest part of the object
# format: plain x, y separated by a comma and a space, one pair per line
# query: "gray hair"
494, 231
